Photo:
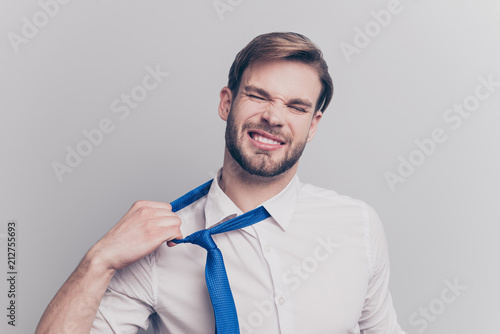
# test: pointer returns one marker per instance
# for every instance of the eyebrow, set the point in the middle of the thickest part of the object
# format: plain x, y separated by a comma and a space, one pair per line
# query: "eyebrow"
264, 93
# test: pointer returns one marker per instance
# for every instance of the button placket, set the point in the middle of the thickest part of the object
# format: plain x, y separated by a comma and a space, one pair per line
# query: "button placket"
276, 268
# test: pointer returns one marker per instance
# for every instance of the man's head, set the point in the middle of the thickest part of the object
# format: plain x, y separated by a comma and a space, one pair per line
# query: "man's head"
278, 88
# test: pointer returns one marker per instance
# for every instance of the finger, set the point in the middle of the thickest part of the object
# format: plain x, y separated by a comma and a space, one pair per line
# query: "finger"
148, 212
176, 236
164, 228
152, 204
170, 242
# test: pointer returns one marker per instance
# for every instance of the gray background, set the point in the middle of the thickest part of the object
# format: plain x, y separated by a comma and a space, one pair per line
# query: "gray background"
441, 223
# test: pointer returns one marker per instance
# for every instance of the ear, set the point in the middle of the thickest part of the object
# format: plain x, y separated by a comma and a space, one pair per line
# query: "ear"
314, 125
226, 98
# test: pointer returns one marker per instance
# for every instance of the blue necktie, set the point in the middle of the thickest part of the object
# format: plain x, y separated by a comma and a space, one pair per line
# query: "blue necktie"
226, 318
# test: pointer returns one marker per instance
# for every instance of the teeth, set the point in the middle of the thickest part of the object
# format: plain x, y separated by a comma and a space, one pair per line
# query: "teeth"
265, 140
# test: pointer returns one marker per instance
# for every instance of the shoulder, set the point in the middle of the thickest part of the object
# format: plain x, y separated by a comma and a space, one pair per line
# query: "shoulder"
316, 198
312, 193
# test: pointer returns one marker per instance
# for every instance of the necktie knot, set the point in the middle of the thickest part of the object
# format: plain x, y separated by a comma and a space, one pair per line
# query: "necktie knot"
202, 238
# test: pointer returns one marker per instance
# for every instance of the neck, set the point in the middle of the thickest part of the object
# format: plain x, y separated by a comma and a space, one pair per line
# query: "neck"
248, 191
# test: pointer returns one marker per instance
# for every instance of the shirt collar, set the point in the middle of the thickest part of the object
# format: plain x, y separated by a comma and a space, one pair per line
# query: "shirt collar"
219, 206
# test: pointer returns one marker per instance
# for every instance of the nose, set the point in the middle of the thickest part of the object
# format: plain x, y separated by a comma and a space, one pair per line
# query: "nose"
274, 114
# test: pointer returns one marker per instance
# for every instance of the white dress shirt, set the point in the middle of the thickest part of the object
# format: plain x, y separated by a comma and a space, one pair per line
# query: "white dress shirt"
318, 265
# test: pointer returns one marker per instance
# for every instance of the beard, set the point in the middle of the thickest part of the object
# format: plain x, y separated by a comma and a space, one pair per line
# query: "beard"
261, 162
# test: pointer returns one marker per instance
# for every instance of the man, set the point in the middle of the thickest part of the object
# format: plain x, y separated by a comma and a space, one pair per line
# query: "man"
319, 264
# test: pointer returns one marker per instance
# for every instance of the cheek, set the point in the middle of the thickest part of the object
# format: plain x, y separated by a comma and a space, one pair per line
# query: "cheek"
300, 129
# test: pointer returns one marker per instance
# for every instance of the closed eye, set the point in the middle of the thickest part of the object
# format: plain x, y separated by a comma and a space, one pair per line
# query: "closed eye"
297, 108
256, 97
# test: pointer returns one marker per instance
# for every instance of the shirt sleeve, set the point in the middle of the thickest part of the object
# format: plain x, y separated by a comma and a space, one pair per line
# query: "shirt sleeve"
378, 315
129, 300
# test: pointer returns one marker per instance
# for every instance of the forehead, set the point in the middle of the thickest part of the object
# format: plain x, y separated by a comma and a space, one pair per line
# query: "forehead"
284, 79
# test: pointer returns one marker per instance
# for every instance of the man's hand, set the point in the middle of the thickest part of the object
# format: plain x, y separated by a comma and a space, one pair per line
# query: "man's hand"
142, 230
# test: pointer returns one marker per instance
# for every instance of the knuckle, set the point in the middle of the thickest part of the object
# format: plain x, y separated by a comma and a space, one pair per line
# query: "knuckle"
138, 204
145, 211
176, 221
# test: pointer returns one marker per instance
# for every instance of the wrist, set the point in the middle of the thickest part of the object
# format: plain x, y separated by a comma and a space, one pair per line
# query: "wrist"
96, 262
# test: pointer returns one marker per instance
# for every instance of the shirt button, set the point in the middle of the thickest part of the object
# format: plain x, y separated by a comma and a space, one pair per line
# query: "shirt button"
267, 248
281, 301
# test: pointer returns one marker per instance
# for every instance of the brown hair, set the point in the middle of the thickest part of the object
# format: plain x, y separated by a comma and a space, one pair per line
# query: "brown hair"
286, 46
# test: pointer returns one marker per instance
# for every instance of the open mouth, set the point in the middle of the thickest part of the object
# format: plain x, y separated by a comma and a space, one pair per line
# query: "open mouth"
264, 140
